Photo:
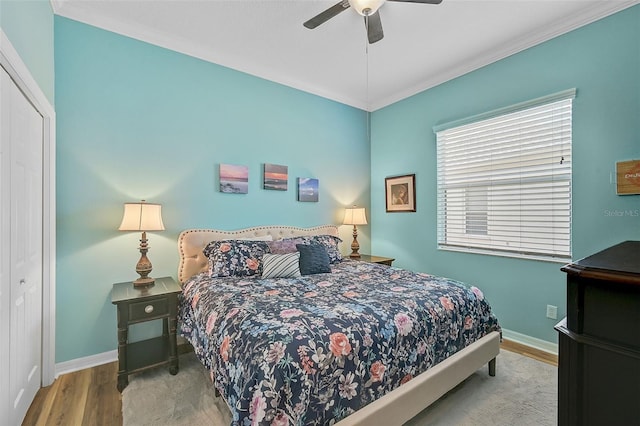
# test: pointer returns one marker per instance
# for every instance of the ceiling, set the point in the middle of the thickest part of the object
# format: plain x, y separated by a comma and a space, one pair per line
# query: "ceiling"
424, 45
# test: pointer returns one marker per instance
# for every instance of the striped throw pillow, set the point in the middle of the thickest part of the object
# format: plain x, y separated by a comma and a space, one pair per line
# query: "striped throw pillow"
281, 265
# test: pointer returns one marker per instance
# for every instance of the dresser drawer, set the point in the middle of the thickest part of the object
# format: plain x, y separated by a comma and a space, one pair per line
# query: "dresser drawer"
142, 311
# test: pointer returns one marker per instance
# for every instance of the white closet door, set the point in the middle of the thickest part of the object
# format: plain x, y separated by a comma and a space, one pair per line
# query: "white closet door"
5, 244
25, 130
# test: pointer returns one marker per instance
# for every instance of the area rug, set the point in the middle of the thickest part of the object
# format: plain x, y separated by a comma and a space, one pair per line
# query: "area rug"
523, 392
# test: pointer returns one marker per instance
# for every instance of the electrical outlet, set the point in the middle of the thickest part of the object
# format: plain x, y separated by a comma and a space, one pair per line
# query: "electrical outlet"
552, 312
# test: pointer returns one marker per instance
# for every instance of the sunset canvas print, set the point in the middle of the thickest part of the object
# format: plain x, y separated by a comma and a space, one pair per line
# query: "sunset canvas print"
234, 179
276, 177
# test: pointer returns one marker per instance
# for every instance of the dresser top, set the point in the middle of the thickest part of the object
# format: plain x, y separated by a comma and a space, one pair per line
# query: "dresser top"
621, 260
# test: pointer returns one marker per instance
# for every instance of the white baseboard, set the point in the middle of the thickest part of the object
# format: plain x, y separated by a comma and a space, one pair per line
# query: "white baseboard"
95, 360
86, 362
533, 342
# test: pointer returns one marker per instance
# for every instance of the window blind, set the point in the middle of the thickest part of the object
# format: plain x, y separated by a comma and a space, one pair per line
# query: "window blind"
504, 182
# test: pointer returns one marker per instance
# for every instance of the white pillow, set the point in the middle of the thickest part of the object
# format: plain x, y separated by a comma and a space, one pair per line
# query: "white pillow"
281, 265
267, 237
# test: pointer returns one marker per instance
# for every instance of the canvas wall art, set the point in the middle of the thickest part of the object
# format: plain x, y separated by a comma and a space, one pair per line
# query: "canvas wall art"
628, 177
234, 179
307, 189
275, 177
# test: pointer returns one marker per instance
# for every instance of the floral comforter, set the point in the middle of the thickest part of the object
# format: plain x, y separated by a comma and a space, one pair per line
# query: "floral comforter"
314, 349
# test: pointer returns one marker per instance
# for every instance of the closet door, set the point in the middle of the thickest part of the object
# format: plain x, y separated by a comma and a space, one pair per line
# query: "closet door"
25, 132
5, 244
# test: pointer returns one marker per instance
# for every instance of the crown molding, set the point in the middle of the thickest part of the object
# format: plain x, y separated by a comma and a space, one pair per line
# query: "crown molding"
541, 35
188, 47
149, 35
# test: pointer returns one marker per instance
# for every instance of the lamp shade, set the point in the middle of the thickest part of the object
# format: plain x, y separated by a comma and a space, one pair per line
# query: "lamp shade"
355, 216
142, 217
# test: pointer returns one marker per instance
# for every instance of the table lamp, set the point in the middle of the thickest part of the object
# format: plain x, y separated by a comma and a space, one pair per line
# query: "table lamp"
143, 217
355, 216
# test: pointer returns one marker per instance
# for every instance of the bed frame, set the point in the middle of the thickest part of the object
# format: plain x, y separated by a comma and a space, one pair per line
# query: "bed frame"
398, 406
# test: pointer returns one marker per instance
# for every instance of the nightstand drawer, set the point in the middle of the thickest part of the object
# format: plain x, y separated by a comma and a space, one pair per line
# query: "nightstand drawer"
150, 309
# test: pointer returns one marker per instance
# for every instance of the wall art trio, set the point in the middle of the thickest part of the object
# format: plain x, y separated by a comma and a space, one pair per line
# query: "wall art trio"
234, 179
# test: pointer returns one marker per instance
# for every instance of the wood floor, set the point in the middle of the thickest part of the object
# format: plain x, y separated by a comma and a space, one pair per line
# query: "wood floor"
85, 397
90, 398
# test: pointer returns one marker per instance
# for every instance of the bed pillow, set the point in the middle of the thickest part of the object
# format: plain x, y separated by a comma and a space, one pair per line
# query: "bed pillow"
281, 265
313, 259
285, 245
267, 237
330, 243
238, 258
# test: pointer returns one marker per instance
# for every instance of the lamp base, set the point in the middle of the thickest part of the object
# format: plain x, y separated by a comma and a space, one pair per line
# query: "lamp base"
143, 267
144, 282
355, 246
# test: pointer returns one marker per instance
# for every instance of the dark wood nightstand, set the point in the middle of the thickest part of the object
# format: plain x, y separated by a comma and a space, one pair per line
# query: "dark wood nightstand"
374, 259
136, 305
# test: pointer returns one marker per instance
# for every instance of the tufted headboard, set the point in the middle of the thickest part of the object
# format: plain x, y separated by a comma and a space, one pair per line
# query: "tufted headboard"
191, 242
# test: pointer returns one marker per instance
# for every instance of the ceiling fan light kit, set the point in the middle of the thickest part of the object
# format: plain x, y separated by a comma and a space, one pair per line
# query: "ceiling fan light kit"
367, 8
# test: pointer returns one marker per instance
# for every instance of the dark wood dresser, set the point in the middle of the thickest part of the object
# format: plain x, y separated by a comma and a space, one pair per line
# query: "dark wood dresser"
599, 340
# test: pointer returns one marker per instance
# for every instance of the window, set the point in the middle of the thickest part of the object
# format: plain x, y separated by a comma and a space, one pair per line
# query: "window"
476, 216
504, 181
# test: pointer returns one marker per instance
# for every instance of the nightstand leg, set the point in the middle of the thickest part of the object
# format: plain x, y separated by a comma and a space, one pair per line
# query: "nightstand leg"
123, 377
123, 382
173, 346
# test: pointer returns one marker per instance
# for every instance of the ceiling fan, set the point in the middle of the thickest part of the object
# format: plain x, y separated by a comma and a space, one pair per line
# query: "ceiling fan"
367, 8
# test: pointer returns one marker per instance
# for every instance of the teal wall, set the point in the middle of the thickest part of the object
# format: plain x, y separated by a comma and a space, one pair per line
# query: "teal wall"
137, 121
29, 26
602, 61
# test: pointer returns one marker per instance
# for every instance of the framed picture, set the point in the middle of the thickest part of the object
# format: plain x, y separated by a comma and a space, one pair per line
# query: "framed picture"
234, 179
275, 177
400, 193
628, 177
307, 189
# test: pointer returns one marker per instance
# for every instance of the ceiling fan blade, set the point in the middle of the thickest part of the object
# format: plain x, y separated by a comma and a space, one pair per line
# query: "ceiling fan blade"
374, 27
323, 17
419, 1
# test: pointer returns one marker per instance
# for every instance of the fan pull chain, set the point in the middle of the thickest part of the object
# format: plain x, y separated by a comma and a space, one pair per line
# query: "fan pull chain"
366, 45
366, 52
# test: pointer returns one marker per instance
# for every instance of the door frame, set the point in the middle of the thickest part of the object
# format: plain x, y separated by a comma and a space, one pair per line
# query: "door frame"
20, 74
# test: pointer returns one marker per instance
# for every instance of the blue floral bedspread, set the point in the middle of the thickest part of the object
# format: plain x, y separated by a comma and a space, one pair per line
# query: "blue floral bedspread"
314, 349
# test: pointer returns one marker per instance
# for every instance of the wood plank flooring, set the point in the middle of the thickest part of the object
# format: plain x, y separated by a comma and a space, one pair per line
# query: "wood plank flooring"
87, 397
90, 398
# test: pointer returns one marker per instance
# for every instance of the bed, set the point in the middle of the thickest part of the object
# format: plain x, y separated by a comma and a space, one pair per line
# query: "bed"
360, 344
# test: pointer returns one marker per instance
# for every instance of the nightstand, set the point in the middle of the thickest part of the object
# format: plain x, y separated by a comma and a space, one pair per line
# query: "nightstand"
374, 259
136, 305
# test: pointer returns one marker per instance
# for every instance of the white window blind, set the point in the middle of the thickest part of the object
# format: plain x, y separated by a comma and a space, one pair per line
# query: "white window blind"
504, 182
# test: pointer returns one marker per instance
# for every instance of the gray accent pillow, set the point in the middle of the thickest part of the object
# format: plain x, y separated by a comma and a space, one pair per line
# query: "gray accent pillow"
313, 259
